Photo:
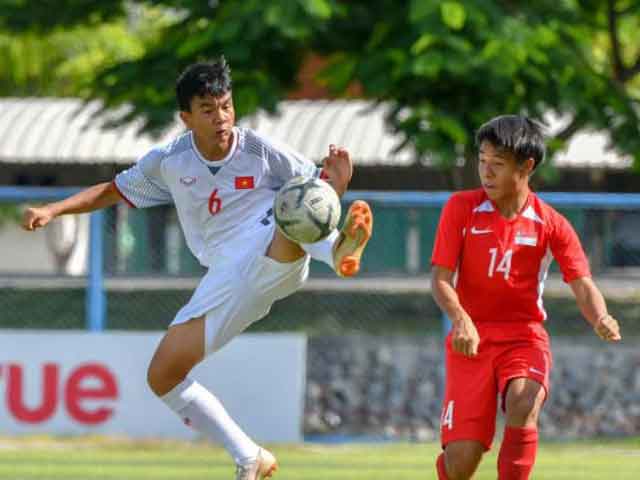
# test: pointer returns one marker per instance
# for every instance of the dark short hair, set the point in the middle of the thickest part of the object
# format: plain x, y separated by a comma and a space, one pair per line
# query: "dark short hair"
517, 134
199, 79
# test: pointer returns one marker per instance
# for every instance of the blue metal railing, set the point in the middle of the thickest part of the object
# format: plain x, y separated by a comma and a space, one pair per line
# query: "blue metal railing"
391, 198
620, 201
95, 305
96, 301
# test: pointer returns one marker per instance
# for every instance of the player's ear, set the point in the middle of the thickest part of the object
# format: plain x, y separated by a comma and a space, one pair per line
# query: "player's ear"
528, 166
186, 118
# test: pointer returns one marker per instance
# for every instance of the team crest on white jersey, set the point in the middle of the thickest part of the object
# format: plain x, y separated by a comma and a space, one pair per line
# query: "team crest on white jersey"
188, 181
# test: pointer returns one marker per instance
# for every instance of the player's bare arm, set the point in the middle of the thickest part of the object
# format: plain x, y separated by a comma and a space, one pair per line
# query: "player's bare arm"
96, 197
594, 308
338, 168
464, 335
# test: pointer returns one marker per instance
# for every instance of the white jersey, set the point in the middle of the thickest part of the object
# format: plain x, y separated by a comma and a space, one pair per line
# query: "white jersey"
223, 206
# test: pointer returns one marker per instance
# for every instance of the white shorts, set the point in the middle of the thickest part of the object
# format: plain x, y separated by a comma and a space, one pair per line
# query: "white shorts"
234, 295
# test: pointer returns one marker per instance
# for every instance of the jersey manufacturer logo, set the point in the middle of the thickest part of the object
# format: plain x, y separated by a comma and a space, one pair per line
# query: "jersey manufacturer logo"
477, 231
188, 181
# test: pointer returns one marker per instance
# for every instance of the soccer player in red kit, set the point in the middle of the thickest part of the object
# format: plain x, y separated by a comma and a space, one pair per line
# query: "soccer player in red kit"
493, 248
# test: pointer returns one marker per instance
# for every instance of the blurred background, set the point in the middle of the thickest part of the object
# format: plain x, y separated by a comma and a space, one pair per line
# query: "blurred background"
86, 87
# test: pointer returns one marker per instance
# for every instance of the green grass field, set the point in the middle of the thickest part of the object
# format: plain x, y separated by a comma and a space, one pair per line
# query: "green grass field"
91, 458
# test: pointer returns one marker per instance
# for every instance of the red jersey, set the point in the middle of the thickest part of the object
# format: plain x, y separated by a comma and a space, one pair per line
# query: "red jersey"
501, 264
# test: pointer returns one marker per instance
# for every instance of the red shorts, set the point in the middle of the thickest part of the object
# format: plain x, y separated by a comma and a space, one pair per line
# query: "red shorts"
506, 351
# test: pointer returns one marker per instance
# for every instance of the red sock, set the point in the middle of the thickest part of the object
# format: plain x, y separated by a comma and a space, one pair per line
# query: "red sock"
517, 453
442, 470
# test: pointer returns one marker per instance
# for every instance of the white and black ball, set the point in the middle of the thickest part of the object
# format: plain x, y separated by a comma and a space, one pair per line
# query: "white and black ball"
306, 209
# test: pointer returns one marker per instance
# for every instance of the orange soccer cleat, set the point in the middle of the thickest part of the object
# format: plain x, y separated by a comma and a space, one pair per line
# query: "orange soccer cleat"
264, 467
355, 234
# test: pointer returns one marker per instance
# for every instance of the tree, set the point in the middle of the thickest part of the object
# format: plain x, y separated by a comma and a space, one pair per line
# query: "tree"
450, 66
445, 67
265, 42
61, 55
46, 54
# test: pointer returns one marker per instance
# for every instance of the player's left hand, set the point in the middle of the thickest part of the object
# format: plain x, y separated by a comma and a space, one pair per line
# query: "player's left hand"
338, 167
608, 329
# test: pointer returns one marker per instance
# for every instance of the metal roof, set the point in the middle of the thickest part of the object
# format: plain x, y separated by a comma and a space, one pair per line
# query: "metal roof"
590, 150
65, 130
310, 126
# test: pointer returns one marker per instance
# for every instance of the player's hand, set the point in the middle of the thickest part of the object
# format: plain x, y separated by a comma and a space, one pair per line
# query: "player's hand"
608, 329
338, 167
464, 336
36, 217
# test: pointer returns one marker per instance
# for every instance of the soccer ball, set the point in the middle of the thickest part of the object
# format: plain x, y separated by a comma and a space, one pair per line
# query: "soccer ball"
306, 209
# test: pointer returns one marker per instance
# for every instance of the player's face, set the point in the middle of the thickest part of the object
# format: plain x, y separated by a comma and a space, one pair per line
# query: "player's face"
501, 175
212, 118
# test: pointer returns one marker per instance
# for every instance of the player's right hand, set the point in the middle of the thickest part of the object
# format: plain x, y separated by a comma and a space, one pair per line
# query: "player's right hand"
608, 329
464, 336
36, 217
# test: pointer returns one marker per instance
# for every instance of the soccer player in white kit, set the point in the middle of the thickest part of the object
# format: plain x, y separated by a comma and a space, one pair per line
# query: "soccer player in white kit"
223, 180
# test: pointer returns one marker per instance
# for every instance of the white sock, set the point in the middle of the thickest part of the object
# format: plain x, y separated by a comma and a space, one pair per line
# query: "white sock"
322, 250
201, 410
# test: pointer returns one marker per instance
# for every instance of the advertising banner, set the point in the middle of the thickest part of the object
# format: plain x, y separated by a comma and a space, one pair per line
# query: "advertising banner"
71, 383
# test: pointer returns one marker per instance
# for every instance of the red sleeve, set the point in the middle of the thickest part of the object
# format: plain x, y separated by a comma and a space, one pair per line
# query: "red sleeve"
567, 250
450, 234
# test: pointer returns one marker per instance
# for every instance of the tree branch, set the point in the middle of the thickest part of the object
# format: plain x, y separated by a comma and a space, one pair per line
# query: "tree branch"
567, 132
612, 22
631, 72
626, 11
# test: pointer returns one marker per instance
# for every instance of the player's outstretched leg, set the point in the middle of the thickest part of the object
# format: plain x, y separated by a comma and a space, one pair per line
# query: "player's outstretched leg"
179, 351
355, 233
264, 467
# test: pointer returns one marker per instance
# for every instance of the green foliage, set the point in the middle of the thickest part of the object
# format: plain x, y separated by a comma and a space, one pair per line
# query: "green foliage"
26, 15
445, 67
91, 457
265, 43
450, 66
65, 61
9, 213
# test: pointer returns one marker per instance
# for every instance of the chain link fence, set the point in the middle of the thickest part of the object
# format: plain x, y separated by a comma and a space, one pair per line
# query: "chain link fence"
375, 343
